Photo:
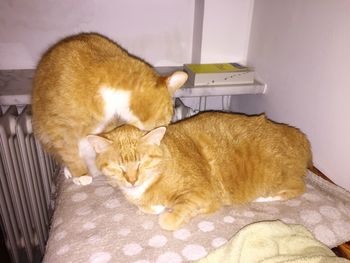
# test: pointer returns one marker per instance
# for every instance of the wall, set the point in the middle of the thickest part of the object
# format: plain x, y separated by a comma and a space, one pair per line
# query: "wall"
157, 30
226, 27
221, 34
301, 49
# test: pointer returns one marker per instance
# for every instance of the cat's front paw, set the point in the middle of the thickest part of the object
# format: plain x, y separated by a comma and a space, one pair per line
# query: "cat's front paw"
82, 180
153, 209
67, 173
170, 221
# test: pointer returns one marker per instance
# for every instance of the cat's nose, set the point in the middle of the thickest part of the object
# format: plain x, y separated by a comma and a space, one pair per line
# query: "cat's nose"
132, 180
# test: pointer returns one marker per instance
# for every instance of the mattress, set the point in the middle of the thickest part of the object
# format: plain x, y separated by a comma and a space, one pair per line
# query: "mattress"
96, 224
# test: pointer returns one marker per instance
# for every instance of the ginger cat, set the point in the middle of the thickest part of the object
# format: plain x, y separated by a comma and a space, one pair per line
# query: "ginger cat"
86, 84
204, 162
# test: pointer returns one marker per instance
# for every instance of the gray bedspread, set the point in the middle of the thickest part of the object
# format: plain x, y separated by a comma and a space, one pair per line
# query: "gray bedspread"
96, 224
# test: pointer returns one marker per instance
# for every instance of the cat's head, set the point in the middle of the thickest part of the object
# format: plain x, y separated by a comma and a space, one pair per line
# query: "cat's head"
127, 156
152, 101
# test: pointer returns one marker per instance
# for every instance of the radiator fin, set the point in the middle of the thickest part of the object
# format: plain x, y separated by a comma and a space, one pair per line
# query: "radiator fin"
27, 177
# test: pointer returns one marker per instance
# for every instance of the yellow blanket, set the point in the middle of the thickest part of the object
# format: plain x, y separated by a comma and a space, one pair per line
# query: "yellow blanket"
272, 242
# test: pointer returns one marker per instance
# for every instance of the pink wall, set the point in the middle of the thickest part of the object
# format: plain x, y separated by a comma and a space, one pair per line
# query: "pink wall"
226, 29
301, 49
157, 30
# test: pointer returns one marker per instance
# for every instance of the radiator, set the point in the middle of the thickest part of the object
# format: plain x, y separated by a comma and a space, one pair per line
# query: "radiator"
27, 176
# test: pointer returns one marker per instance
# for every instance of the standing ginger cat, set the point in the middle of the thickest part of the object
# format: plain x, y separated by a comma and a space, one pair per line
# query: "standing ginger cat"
86, 84
204, 162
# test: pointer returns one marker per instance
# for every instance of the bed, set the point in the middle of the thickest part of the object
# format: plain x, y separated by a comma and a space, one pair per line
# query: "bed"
95, 223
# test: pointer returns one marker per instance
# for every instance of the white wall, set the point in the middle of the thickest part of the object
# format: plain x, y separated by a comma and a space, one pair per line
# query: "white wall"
301, 49
159, 31
226, 28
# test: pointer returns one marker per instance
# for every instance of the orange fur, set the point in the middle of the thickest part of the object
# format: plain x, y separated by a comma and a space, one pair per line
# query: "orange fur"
205, 162
67, 105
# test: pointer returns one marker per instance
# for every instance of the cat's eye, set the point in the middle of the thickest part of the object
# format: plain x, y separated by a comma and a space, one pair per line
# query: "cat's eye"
122, 168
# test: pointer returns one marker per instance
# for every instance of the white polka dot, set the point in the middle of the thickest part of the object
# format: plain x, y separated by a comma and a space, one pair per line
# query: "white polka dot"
343, 208
218, 242
139, 212
248, 214
82, 211
60, 235
341, 228
124, 232
330, 212
72, 187
100, 257
158, 241
148, 225
293, 202
132, 249
311, 197
309, 186
206, 226
104, 191
182, 234
89, 225
112, 203
78, 197
169, 257
271, 209
310, 216
194, 252
63, 250
325, 235
118, 217
95, 239
229, 219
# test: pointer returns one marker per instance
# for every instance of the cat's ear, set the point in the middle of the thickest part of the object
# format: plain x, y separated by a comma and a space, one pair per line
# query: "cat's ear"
175, 81
99, 144
154, 136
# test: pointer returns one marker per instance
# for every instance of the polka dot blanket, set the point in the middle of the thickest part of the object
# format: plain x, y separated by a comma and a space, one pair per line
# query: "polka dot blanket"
95, 224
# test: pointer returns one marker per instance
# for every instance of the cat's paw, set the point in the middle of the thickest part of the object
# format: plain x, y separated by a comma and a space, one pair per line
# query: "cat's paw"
82, 180
170, 221
67, 173
153, 209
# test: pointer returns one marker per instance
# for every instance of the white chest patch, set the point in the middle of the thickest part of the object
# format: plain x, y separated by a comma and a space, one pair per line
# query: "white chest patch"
136, 192
116, 105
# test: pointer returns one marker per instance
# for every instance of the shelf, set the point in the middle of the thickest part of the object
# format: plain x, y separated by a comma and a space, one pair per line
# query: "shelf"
189, 90
221, 90
16, 87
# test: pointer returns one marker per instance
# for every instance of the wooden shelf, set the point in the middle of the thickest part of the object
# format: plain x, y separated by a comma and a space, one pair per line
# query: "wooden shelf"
16, 87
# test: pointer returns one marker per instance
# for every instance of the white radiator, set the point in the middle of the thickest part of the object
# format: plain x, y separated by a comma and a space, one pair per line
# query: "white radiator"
27, 185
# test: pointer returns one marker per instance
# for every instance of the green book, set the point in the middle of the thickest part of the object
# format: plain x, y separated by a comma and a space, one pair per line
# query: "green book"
219, 74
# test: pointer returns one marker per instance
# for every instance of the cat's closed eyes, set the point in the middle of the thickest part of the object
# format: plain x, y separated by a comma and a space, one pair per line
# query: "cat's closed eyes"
197, 165
86, 84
